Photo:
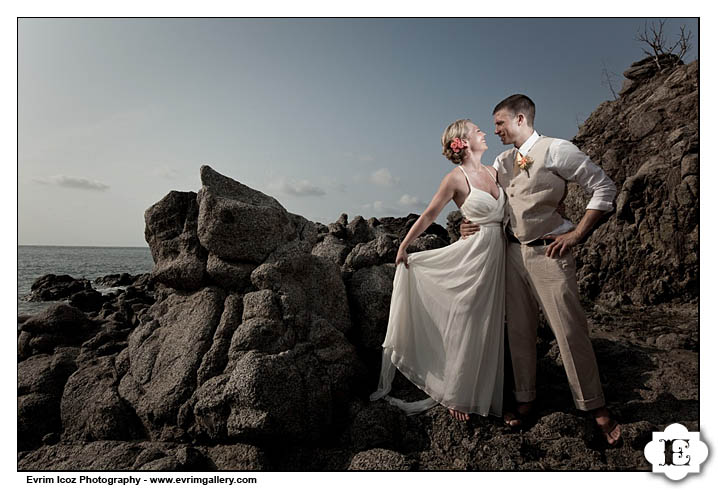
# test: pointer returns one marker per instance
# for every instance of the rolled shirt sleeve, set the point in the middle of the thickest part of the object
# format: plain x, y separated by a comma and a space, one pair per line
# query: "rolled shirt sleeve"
574, 165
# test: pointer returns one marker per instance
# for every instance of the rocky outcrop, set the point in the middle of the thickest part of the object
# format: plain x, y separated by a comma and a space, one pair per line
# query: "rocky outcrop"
647, 142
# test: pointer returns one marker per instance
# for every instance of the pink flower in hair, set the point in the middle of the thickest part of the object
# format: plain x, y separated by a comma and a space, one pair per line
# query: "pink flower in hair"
457, 145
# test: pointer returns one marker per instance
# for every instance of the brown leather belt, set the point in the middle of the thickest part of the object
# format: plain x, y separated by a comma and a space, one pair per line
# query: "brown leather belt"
534, 243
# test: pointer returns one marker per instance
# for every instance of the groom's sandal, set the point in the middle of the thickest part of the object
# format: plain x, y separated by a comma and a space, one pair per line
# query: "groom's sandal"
519, 418
606, 429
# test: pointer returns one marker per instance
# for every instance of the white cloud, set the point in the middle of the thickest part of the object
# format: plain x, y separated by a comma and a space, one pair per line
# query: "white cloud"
381, 209
384, 178
166, 172
297, 187
407, 200
73, 183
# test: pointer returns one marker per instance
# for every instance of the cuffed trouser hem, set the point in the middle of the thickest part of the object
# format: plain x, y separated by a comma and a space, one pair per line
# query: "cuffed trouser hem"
590, 404
525, 396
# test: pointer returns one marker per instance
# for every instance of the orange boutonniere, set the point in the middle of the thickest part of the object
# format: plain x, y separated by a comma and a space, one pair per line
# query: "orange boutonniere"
525, 162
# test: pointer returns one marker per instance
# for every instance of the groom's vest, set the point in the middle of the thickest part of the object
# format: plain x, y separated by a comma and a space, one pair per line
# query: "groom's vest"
534, 195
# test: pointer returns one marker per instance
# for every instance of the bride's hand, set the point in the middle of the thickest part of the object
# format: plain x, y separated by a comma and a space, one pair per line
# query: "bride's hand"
401, 256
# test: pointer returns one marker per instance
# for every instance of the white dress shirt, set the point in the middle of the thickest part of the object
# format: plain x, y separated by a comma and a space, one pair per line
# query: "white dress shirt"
571, 164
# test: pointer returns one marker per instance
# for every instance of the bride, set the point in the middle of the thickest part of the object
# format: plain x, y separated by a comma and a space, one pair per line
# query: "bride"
445, 331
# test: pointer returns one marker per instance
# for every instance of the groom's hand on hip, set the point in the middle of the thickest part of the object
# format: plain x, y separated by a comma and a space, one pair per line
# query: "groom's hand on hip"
562, 244
467, 228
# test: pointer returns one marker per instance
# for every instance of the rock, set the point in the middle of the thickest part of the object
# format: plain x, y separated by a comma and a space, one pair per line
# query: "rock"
642, 124
381, 250
87, 300
375, 426
453, 221
359, 231
51, 287
58, 325
369, 292
99, 456
380, 459
332, 248
237, 223
216, 358
229, 275
165, 354
646, 141
426, 242
171, 233
91, 408
237, 457
41, 380
38, 414
116, 280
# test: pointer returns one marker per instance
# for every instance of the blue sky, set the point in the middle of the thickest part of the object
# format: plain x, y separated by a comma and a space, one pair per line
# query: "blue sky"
326, 115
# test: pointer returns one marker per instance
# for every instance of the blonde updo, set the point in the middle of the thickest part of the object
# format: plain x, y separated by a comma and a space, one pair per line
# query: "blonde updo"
457, 129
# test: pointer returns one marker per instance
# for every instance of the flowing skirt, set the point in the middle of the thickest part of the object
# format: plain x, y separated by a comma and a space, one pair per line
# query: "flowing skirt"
446, 326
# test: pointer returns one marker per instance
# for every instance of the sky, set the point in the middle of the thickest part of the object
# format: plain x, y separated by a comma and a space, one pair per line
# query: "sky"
329, 116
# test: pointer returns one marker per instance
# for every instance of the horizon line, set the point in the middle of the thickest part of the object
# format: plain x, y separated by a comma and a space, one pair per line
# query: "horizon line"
84, 246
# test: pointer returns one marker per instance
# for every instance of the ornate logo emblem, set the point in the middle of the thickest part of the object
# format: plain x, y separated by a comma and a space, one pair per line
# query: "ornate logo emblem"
676, 452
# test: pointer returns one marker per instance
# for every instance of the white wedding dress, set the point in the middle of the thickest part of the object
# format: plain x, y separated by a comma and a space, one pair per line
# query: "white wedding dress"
445, 331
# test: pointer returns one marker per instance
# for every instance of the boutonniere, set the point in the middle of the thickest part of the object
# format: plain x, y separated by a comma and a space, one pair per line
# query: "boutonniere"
525, 162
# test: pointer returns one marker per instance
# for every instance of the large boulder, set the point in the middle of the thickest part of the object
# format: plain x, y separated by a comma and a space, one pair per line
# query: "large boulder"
171, 233
239, 224
41, 380
91, 408
165, 353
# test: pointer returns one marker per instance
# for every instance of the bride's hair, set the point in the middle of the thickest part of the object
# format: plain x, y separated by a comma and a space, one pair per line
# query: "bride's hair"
457, 129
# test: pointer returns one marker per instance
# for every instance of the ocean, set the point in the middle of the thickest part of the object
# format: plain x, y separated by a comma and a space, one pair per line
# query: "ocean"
78, 262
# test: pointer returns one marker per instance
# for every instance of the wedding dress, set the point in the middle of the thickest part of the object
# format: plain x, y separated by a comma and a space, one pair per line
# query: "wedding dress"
446, 319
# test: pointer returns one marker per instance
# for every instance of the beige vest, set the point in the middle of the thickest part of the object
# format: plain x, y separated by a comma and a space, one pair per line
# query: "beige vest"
534, 196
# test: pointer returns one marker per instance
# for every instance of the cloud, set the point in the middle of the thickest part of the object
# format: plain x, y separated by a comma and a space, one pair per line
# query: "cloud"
73, 183
297, 187
384, 178
166, 172
411, 201
381, 208
334, 184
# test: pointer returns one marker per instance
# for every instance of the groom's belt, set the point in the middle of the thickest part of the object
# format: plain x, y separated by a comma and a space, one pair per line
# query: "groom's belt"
534, 243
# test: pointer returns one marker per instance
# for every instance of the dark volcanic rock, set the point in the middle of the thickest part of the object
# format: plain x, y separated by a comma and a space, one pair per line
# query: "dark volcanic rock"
58, 325
647, 142
41, 380
51, 287
115, 280
91, 408
380, 459
171, 233
237, 223
87, 300
165, 354
369, 292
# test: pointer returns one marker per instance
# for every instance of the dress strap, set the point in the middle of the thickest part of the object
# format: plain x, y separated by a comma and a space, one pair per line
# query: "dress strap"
467, 178
496, 179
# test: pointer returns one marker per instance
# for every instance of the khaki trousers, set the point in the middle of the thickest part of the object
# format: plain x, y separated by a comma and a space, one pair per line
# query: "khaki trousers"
532, 281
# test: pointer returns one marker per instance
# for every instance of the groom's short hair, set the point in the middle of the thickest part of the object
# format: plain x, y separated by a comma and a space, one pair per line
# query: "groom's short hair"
518, 103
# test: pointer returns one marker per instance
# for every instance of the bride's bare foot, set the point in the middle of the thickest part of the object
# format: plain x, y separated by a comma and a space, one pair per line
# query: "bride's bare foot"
459, 415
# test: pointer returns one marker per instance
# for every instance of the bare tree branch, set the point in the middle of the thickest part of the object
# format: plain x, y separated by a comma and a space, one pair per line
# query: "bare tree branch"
657, 43
608, 78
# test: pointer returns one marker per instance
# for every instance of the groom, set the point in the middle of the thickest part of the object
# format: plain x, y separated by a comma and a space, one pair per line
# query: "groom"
540, 269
